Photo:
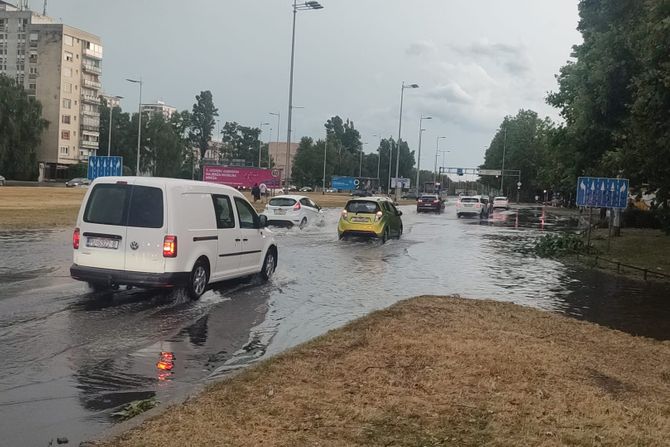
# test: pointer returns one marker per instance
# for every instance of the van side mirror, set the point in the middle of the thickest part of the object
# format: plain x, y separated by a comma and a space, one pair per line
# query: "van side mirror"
262, 221
399, 213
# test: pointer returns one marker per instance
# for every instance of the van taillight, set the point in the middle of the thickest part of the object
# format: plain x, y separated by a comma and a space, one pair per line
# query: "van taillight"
297, 206
75, 239
170, 247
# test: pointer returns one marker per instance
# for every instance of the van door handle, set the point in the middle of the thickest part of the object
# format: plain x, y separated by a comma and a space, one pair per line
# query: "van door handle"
237, 240
245, 240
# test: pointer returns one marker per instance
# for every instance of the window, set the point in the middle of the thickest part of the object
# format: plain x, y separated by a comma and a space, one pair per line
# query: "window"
67, 103
67, 87
117, 204
67, 72
65, 119
34, 36
32, 86
281, 201
67, 40
246, 214
307, 202
33, 70
68, 56
223, 212
65, 134
362, 206
64, 150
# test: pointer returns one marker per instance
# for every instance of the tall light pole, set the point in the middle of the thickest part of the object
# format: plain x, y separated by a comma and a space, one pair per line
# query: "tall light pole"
111, 114
502, 172
269, 141
325, 154
260, 146
437, 151
309, 5
360, 163
397, 161
139, 123
379, 161
278, 115
418, 161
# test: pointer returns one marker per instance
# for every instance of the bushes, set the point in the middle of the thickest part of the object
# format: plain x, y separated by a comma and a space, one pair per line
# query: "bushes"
557, 244
637, 218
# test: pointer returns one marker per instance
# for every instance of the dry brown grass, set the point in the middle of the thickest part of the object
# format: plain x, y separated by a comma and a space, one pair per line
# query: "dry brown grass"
39, 207
437, 371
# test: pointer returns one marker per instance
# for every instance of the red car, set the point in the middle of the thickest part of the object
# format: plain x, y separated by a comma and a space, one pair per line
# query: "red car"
429, 202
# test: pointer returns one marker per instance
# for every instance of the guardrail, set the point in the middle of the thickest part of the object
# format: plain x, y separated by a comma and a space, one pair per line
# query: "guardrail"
620, 266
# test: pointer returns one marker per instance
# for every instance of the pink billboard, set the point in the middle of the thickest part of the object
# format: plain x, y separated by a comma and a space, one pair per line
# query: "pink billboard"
241, 176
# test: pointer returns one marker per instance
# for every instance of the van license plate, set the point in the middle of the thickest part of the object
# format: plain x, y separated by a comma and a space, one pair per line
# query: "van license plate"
98, 242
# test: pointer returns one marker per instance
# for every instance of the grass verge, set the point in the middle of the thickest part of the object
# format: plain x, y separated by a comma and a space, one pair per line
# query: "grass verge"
48, 207
435, 371
643, 248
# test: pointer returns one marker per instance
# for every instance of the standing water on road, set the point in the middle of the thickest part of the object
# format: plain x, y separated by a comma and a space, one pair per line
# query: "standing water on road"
71, 358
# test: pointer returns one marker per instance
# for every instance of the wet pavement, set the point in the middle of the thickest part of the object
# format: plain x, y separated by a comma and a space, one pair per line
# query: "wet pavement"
70, 357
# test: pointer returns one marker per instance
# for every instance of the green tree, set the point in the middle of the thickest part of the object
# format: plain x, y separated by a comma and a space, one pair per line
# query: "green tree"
241, 143
21, 125
165, 150
202, 121
120, 132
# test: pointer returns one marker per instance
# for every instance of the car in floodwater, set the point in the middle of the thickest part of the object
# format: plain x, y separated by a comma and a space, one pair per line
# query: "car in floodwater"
429, 202
472, 206
500, 203
168, 233
2, 181
292, 210
371, 217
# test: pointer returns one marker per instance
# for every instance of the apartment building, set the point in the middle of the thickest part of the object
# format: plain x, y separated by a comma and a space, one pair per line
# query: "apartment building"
60, 66
159, 107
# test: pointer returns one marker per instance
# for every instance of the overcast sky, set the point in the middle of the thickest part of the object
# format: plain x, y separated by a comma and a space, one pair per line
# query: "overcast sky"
476, 61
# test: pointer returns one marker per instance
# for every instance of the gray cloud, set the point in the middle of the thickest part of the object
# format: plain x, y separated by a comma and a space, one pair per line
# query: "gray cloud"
421, 48
512, 58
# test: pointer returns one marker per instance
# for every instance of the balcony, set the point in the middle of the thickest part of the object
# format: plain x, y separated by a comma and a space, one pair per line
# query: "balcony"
92, 114
92, 54
91, 68
90, 99
85, 144
92, 84
94, 127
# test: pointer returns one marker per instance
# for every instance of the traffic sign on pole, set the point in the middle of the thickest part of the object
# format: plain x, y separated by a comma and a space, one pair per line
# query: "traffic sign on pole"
104, 167
599, 192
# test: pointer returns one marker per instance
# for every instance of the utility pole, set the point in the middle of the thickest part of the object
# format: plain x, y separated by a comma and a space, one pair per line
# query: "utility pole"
502, 172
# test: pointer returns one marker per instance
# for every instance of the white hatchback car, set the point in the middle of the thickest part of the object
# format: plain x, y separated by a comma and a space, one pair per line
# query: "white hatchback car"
472, 205
159, 232
500, 202
292, 210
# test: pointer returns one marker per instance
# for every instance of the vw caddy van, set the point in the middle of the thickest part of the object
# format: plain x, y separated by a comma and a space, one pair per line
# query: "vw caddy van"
164, 233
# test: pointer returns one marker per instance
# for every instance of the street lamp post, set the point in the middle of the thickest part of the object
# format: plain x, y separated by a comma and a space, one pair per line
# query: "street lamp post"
437, 151
360, 162
309, 5
260, 146
139, 125
397, 161
325, 154
111, 114
278, 115
418, 160
502, 172
379, 161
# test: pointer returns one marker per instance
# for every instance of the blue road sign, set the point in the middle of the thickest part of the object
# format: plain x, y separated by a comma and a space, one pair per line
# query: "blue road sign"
104, 167
599, 192
344, 183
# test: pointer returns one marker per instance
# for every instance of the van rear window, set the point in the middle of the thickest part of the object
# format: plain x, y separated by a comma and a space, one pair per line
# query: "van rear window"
125, 205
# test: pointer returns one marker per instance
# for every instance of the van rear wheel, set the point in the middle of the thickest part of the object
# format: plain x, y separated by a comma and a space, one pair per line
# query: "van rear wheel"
197, 280
269, 265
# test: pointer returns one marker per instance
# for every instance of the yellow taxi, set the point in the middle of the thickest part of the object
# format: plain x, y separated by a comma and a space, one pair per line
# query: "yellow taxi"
372, 217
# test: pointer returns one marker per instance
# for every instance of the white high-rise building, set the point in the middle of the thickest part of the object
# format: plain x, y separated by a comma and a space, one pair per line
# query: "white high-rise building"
61, 67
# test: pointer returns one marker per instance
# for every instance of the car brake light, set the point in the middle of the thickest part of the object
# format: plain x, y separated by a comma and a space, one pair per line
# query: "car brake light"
170, 246
297, 206
379, 216
436, 201
75, 239
344, 214
478, 205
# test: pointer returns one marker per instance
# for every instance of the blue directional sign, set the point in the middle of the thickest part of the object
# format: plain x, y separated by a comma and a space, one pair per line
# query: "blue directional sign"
104, 167
344, 183
599, 192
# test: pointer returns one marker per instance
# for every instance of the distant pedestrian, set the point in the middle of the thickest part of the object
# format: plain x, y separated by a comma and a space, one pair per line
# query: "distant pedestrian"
256, 192
264, 191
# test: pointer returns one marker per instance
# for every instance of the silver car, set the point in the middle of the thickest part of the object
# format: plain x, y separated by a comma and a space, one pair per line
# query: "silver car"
2, 181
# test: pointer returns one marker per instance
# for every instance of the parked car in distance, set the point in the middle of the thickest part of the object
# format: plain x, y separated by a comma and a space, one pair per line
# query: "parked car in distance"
331, 190
372, 217
429, 202
2, 181
292, 210
473, 206
164, 233
306, 189
361, 193
77, 182
500, 202
410, 195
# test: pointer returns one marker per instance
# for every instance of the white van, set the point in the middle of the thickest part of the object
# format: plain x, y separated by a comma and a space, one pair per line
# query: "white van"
159, 232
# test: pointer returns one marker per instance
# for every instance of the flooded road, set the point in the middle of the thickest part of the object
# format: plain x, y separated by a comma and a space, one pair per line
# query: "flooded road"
71, 358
